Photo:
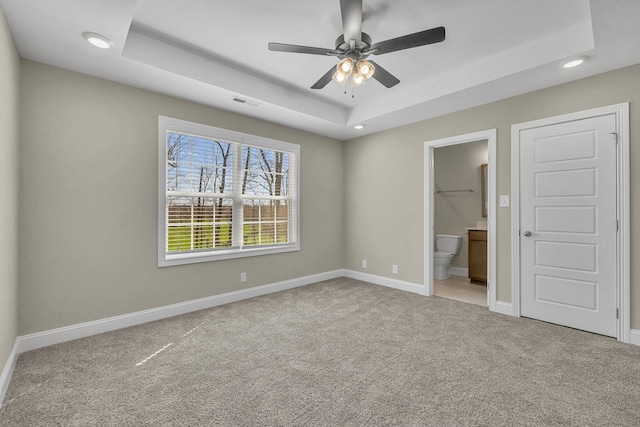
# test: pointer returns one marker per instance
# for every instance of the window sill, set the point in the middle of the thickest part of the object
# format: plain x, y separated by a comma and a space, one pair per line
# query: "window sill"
167, 260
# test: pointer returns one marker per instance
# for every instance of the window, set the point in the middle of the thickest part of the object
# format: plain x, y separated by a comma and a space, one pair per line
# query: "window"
224, 194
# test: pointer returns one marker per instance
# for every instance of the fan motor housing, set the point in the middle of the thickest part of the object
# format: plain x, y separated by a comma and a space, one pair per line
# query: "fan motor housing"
356, 53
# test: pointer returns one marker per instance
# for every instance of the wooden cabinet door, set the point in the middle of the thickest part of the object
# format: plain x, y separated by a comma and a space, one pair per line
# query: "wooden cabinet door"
478, 255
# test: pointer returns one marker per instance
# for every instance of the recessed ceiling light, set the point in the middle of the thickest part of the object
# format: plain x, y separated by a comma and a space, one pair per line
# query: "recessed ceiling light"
358, 127
573, 63
98, 40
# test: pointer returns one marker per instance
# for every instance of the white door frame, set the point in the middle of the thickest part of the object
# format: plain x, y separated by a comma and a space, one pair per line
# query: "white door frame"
621, 111
429, 192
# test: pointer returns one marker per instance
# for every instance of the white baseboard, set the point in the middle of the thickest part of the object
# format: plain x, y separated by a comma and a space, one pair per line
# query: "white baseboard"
82, 330
504, 308
385, 281
69, 333
459, 271
7, 371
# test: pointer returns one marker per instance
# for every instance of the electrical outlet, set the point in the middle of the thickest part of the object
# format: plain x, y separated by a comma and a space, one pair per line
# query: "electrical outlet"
243, 277
394, 269
364, 263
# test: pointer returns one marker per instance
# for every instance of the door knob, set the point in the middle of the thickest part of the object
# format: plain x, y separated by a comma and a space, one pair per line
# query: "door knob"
527, 234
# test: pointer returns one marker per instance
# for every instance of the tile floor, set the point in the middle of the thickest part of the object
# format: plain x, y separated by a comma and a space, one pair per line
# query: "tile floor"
461, 289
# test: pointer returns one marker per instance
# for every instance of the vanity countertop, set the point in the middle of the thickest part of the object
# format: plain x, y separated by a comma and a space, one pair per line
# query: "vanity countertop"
476, 229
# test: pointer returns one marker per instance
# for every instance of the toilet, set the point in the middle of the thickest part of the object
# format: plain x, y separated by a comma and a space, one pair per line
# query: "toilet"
447, 246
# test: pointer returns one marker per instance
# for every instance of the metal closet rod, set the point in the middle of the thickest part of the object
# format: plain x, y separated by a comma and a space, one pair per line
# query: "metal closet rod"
455, 191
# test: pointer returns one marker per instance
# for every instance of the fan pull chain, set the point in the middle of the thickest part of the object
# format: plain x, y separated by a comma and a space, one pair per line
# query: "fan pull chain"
353, 92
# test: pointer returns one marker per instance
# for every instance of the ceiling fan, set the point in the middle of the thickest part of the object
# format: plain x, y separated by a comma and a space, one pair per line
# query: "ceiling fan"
353, 47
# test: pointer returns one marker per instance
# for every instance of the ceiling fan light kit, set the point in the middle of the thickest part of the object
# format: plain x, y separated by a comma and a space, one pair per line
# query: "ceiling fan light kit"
340, 77
363, 71
366, 68
345, 65
357, 80
353, 47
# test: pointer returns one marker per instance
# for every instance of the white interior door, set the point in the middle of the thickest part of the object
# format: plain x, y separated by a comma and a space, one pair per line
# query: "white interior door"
568, 224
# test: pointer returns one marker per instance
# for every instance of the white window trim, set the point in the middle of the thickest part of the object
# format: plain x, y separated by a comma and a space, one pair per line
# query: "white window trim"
182, 126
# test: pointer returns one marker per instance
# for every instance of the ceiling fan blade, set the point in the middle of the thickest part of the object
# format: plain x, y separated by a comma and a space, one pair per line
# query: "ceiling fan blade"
324, 80
434, 35
294, 48
351, 11
384, 77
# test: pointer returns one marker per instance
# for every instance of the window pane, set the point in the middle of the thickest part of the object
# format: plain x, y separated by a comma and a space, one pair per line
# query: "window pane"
250, 161
202, 223
223, 223
282, 232
264, 171
223, 163
179, 228
177, 148
198, 165
265, 222
196, 223
282, 221
251, 222
283, 175
267, 233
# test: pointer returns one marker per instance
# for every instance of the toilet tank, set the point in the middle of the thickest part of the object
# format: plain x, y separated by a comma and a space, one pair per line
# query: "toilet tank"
449, 243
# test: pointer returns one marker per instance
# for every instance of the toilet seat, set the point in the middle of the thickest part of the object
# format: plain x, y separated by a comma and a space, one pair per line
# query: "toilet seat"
442, 255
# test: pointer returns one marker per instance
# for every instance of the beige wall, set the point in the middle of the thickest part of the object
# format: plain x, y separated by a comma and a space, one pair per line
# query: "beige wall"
9, 98
384, 177
457, 167
88, 159
88, 203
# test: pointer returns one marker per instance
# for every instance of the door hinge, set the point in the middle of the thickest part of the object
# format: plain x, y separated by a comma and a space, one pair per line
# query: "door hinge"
617, 313
616, 135
617, 225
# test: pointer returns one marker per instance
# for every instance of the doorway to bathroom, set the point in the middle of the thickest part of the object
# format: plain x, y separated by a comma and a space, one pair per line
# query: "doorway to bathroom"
460, 184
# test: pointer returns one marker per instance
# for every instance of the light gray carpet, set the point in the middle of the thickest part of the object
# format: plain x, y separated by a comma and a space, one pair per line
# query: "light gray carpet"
340, 352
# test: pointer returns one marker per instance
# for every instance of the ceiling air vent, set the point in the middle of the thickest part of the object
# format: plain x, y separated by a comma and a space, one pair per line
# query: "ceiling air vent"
245, 101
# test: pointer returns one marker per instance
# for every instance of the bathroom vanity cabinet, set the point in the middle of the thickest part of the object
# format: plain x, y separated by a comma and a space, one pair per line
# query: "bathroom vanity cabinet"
478, 255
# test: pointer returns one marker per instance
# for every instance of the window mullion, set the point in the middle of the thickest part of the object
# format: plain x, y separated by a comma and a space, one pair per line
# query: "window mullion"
259, 222
274, 207
236, 186
191, 224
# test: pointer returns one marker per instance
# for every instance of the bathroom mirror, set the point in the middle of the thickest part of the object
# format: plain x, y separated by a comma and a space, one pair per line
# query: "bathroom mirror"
483, 186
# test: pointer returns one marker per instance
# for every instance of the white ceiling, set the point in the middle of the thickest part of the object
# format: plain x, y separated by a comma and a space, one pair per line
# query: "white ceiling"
210, 51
